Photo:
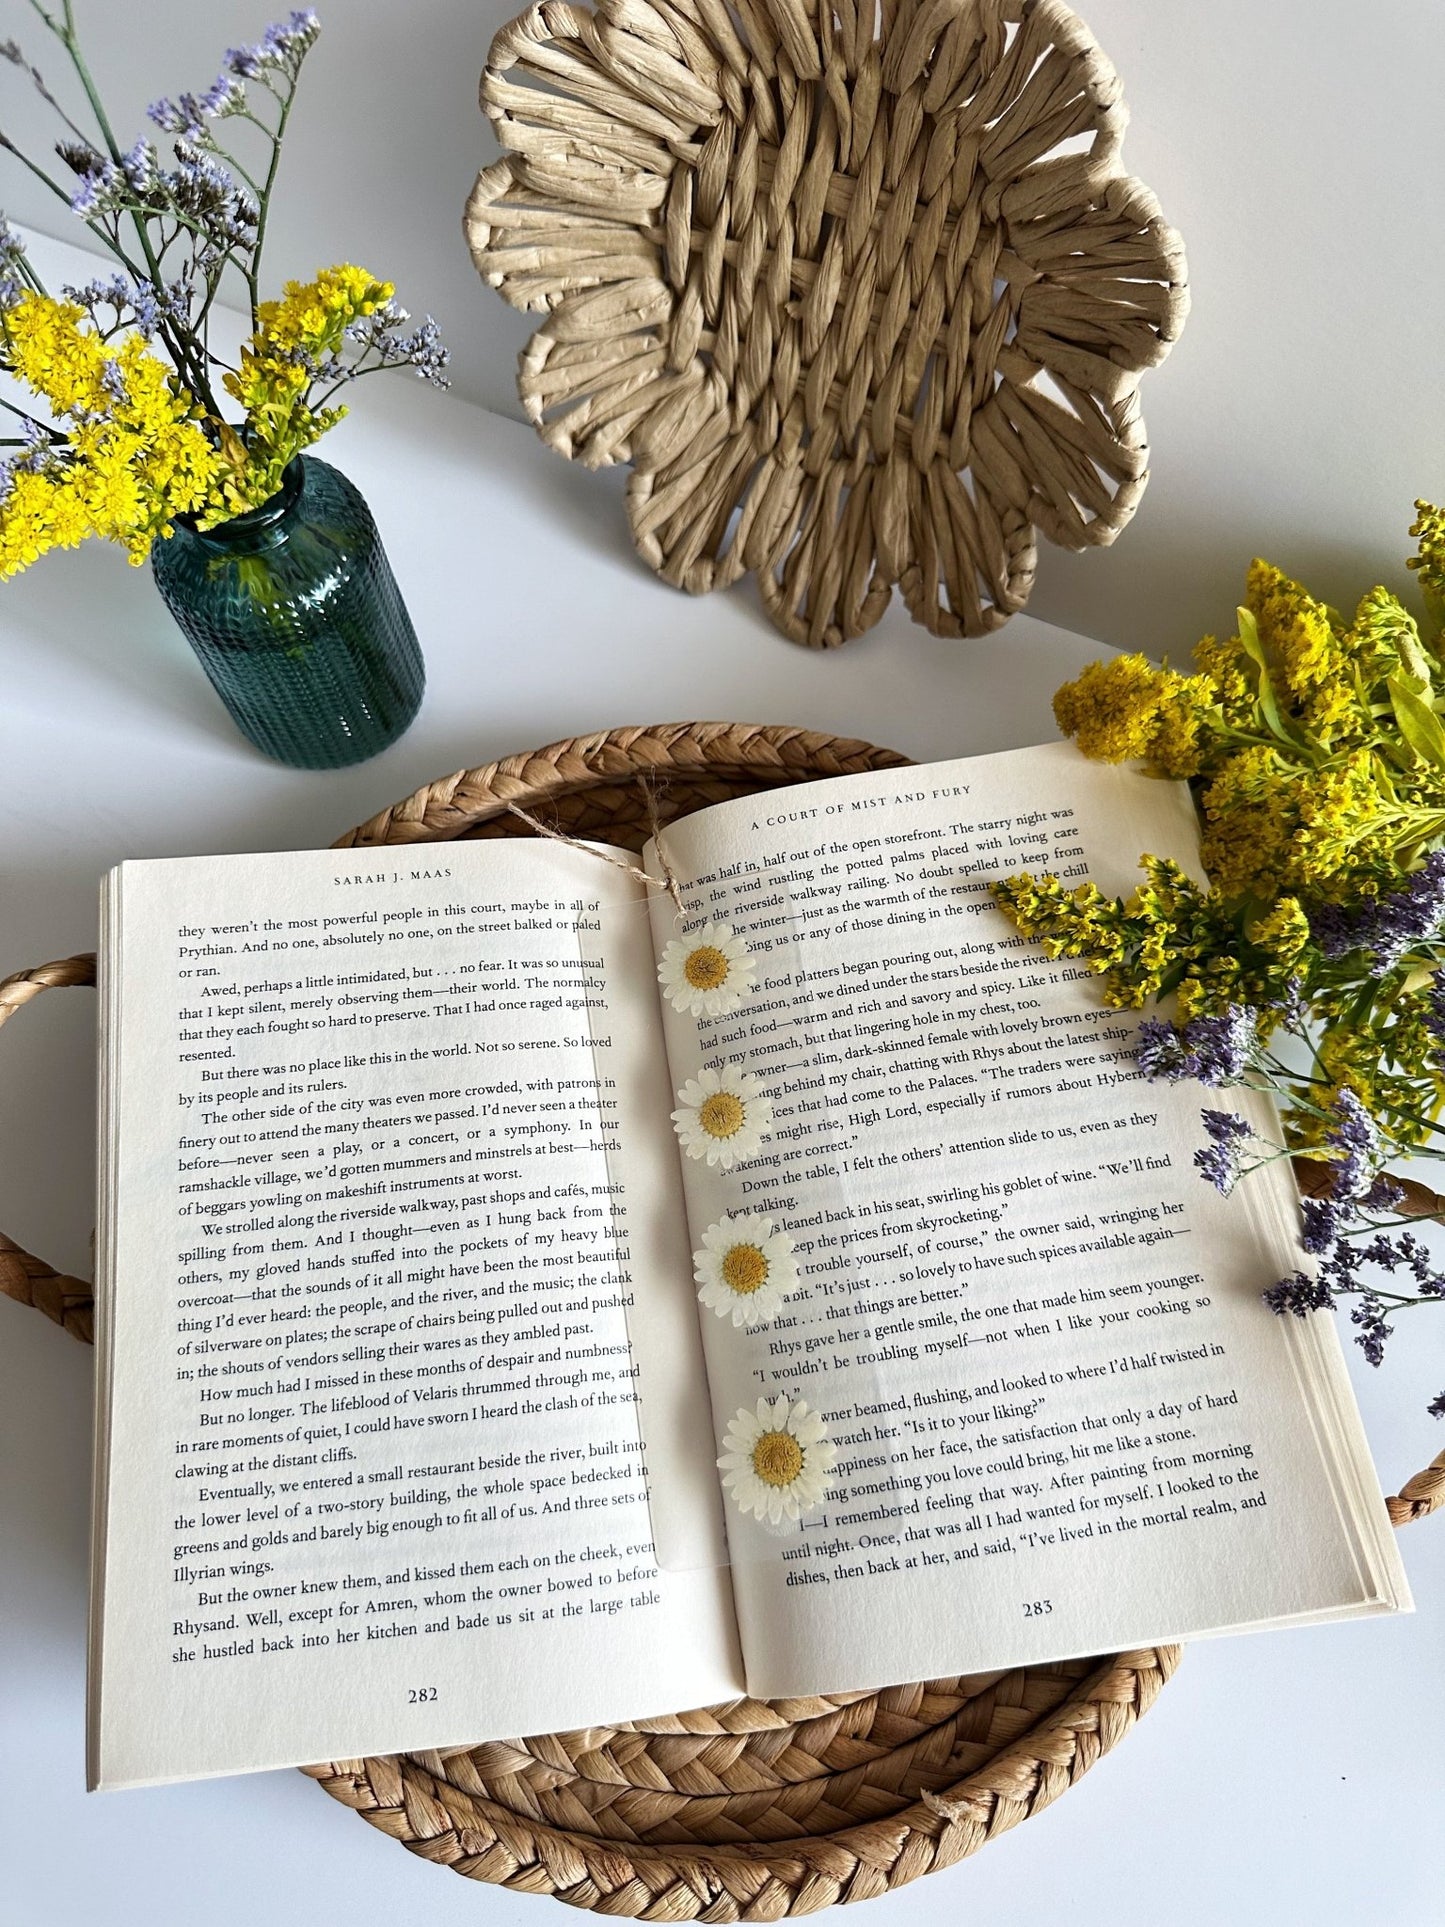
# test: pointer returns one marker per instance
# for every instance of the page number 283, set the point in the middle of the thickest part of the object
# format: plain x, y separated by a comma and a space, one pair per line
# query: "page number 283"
1036, 1608
420, 1695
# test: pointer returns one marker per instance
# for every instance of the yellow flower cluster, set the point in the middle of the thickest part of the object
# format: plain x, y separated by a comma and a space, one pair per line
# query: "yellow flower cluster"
1169, 935
1127, 711
1428, 529
135, 456
297, 338
1317, 745
134, 448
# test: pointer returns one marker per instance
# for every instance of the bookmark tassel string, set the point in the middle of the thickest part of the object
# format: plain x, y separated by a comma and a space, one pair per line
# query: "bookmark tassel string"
667, 881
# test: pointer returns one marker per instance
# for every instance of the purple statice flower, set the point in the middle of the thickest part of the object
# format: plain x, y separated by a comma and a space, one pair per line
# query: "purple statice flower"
1436, 1407
246, 63
1369, 1315
174, 303
1161, 1051
282, 47
224, 96
184, 119
39, 447
1355, 1183
97, 191
80, 157
12, 265
122, 296
1416, 1255
423, 350
1298, 1294
1342, 1274
146, 306
1212, 1050
426, 352
112, 379
1220, 1161
1353, 1134
1222, 1044
1292, 1004
1322, 1221
1215, 1163
40, 454
208, 194
296, 35
141, 167
113, 293
1383, 1195
1387, 927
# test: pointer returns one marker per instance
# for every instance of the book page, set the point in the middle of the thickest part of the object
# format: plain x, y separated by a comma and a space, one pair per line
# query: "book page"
1064, 1421
391, 1228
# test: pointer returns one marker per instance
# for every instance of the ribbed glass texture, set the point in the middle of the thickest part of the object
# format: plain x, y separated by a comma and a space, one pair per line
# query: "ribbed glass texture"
298, 622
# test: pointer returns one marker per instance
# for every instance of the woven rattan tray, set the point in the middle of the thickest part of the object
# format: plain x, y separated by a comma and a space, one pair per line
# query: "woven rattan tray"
751, 1810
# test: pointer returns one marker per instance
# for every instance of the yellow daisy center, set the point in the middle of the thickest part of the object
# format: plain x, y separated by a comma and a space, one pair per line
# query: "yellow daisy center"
706, 967
721, 1115
744, 1270
777, 1458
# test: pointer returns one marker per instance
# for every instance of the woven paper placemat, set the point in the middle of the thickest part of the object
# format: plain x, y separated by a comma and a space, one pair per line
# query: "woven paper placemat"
862, 297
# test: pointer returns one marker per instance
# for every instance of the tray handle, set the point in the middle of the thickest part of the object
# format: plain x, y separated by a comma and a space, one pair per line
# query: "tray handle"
70, 1303
67, 1300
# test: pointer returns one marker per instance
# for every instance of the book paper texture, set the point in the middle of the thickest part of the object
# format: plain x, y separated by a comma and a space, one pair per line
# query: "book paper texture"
391, 1228
1065, 1421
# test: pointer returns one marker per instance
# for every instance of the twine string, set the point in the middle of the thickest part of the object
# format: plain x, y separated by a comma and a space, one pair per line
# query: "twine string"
667, 881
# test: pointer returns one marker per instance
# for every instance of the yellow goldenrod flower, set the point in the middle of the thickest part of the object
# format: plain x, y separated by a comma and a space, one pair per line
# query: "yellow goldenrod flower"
136, 454
1126, 710
1428, 528
297, 340
1296, 631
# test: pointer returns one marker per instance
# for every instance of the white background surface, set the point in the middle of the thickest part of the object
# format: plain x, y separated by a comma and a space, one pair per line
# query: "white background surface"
1287, 1777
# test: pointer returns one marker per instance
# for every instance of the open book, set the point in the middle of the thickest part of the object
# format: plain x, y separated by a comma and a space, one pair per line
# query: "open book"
410, 1403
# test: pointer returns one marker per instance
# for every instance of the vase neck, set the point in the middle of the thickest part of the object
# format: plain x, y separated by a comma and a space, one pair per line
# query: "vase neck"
263, 527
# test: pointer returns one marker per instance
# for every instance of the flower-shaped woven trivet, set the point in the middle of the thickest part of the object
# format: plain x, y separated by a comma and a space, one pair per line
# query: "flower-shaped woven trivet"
861, 304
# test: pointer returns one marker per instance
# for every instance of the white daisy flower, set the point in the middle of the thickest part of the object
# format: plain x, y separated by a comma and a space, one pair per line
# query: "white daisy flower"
777, 1460
708, 974
723, 1116
745, 1269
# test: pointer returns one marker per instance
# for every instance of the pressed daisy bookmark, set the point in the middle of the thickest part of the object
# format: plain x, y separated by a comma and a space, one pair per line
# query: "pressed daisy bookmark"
777, 1460
745, 1268
723, 1116
709, 974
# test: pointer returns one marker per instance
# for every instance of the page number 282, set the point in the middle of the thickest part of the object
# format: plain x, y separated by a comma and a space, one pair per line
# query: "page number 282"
1036, 1608
420, 1695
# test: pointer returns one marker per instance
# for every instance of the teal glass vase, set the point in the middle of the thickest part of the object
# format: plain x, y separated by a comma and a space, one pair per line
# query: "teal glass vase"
297, 620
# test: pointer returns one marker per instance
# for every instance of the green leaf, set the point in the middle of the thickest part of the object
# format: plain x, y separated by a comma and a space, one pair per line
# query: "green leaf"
1264, 688
1419, 725
1249, 636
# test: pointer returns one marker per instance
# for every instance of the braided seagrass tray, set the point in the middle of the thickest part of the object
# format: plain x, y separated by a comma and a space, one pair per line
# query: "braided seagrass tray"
756, 1809
863, 296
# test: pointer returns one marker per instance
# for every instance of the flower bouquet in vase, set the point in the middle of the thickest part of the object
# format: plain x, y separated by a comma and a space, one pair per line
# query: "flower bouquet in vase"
132, 425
